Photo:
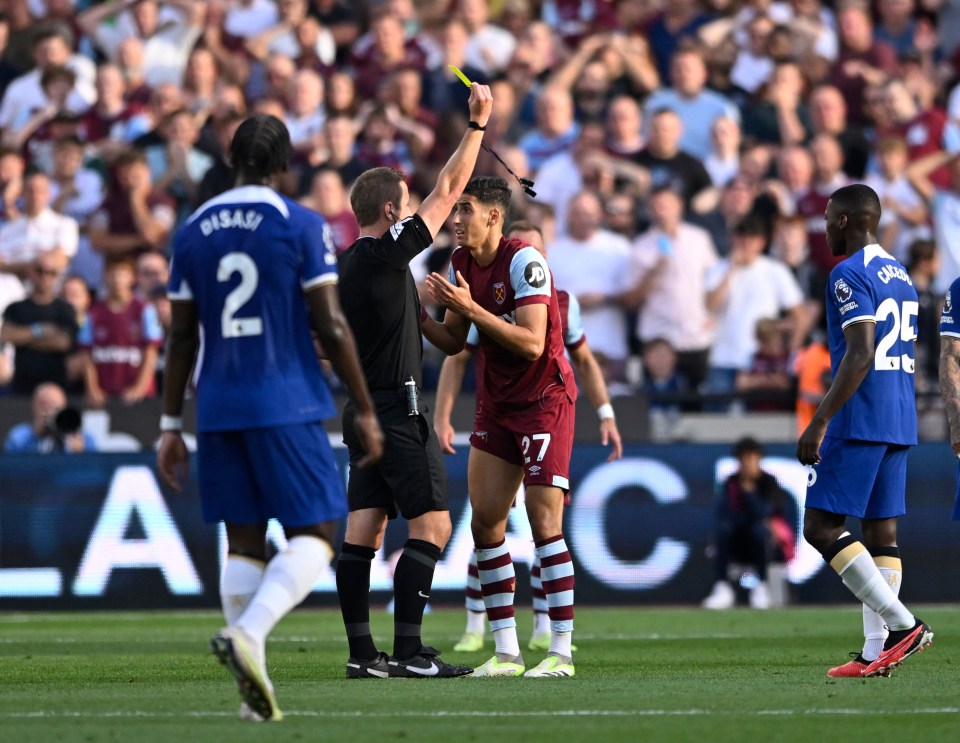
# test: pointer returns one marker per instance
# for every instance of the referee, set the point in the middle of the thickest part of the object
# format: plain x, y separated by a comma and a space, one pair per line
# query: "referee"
381, 303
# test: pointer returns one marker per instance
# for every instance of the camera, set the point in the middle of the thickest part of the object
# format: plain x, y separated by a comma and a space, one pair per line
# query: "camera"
62, 423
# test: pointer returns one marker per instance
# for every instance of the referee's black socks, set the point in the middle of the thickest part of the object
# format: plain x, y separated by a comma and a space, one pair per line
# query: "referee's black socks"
353, 588
411, 589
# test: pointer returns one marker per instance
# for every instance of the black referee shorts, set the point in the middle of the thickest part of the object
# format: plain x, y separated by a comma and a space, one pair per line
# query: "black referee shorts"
410, 477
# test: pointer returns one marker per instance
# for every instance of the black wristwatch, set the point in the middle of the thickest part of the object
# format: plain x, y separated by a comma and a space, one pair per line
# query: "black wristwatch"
475, 125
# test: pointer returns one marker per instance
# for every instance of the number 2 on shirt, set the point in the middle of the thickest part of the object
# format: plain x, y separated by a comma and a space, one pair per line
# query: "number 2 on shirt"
239, 327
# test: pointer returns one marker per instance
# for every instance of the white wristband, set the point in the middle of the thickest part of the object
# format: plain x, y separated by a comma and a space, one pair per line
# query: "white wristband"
605, 411
171, 423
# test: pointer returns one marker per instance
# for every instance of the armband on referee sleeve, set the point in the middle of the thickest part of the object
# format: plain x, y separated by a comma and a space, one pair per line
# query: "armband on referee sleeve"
605, 411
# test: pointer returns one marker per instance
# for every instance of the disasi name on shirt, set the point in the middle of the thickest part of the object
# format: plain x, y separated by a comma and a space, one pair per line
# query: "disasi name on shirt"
231, 219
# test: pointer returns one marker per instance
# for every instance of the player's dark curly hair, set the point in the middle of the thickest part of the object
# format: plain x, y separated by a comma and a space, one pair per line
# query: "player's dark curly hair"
490, 190
261, 147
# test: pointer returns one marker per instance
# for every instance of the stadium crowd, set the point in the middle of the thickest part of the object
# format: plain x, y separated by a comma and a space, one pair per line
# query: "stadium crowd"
683, 154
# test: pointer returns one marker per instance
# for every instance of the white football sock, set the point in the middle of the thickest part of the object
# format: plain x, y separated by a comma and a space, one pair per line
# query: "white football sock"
874, 628
560, 644
506, 641
239, 581
541, 622
859, 574
286, 582
477, 621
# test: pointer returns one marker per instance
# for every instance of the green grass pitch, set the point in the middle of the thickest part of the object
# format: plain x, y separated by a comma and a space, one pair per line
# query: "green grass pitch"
642, 675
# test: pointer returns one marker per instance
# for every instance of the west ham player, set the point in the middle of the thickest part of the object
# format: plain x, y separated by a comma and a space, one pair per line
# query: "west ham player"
523, 428
451, 377
950, 374
381, 302
858, 440
253, 272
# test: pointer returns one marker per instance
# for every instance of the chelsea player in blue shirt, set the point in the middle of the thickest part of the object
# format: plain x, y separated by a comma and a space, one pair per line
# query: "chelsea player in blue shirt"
253, 272
858, 440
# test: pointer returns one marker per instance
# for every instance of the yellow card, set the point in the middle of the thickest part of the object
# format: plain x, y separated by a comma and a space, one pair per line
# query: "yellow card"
463, 78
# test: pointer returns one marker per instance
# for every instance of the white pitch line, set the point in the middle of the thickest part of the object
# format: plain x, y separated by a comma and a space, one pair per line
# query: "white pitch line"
48, 714
185, 637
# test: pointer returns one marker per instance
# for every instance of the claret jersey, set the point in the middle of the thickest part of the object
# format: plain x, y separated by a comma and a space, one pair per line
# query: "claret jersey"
518, 276
871, 286
245, 258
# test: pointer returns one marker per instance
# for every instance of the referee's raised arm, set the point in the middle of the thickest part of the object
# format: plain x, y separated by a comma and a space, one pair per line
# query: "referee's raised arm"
453, 178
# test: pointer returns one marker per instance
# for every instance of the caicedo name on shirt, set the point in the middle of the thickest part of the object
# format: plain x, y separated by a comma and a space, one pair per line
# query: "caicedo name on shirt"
237, 219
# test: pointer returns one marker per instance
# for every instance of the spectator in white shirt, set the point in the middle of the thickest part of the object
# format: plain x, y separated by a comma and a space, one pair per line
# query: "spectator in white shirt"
723, 162
591, 264
168, 34
490, 47
305, 112
51, 48
248, 18
905, 216
37, 230
741, 290
667, 282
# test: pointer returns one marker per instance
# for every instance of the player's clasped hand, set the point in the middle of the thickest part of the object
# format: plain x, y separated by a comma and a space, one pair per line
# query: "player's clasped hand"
173, 460
371, 437
455, 298
808, 446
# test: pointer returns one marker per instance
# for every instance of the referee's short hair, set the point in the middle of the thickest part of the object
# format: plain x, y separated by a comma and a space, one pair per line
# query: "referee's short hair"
372, 189
490, 190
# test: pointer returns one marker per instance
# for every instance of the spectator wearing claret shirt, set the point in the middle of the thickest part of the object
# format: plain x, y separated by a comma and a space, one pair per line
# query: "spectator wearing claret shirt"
381, 144
404, 89
862, 59
387, 50
134, 217
112, 121
921, 124
828, 176
122, 338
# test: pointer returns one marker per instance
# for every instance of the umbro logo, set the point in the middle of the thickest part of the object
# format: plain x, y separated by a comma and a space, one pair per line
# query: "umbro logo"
535, 470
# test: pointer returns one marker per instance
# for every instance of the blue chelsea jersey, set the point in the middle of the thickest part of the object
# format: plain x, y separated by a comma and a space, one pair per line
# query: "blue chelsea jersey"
950, 317
871, 286
245, 258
